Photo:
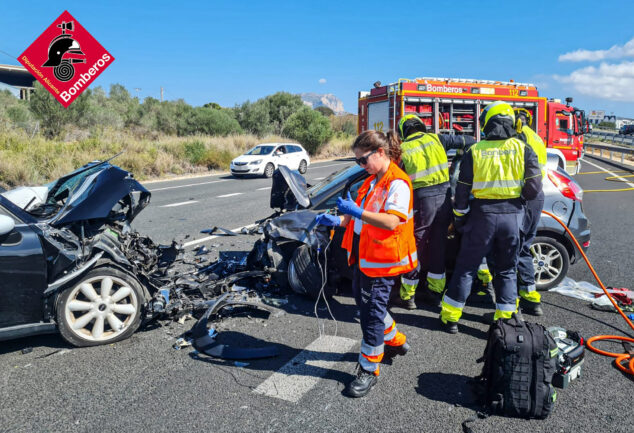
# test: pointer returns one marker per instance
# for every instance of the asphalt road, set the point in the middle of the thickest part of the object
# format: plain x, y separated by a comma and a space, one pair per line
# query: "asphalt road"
143, 384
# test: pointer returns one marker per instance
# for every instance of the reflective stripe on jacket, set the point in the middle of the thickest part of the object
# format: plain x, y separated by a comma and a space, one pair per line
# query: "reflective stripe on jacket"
382, 252
498, 169
537, 144
425, 160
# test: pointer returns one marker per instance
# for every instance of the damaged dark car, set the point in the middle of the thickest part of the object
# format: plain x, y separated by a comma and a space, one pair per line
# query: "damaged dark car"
64, 261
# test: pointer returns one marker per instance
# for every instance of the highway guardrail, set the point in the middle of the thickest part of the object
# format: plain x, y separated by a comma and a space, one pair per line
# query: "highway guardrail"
608, 152
612, 136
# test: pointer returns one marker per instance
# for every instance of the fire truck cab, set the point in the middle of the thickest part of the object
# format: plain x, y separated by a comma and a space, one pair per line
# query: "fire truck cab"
453, 106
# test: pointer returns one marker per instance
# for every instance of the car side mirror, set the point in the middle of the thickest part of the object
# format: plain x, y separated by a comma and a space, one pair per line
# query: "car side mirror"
6, 225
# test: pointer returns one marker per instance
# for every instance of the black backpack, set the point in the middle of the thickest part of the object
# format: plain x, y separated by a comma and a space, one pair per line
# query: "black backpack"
519, 363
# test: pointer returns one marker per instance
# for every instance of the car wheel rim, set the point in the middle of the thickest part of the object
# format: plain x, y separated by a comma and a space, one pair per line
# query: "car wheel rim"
101, 308
547, 261
302, 166
269, 171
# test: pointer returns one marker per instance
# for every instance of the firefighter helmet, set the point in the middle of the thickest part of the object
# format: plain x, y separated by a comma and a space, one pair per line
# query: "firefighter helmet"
407, 122
525, 113
498, 109
61, 46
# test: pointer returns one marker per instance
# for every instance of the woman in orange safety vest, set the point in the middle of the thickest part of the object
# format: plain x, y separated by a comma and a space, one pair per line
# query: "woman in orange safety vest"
380, 242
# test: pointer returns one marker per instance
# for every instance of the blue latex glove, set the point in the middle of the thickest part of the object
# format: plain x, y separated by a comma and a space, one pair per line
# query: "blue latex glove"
325, 219
349, 207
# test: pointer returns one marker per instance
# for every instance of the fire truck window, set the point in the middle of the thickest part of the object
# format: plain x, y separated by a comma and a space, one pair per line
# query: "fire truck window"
563, 124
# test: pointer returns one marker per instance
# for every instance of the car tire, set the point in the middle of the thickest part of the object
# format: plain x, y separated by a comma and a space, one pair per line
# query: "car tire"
304, 274
268, 170
89, 313
303, 166
237, 176
551, 261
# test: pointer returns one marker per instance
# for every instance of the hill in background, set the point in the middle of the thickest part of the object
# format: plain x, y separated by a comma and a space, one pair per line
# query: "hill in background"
314, 100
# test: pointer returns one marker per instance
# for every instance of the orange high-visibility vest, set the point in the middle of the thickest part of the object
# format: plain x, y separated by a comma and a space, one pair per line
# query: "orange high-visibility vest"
383, 253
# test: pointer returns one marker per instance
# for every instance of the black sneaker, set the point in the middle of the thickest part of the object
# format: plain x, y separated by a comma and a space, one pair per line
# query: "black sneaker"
450, 327
531, 308
431, 298
407, 304
392, 351
362, 384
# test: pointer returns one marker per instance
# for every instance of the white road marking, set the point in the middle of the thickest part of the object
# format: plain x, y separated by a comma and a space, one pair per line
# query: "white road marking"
183, 203
208, 238
261, 189
229, 195
332, 165
319, 178
613, 174
185, 186
301, 374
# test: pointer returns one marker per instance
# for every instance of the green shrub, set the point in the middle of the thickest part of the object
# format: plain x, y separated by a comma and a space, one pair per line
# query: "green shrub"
195, 151
310, 128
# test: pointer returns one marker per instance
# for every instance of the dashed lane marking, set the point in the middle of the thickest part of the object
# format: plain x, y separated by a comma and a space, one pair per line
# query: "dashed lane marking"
616, 176
333, 165
185, 186
208, 238
229, 195
262, 189
319, 178
183, 203
299, 375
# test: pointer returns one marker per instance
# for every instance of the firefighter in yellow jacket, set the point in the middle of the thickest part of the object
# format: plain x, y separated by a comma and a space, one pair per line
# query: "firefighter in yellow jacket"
501, 173
530, 299
379, 239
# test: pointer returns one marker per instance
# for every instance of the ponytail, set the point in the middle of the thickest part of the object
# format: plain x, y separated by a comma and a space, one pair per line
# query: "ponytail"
394, 145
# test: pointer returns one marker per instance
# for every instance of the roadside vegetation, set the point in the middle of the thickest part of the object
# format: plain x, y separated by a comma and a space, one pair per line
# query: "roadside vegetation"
40, 140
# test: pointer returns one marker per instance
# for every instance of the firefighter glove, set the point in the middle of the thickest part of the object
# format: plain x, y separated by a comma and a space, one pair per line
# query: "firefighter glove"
347, 206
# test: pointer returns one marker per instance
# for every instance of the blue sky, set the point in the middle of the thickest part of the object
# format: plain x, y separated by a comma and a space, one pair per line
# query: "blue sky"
231, 51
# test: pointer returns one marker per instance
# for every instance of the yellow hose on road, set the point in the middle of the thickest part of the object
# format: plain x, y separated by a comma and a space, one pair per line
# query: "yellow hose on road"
611, 179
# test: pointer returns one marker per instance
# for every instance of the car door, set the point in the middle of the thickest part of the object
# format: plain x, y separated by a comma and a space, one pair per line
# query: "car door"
22, 272
286, 157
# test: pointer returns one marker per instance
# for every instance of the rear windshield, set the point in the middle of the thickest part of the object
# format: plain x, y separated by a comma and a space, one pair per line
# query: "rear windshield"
260, 150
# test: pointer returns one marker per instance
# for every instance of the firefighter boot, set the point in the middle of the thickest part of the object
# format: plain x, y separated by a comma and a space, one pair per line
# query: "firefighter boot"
531, 308
392, 351
449, 327
407, 304
362, 384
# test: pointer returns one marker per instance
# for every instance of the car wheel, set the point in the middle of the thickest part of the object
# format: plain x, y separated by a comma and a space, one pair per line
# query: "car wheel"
268, 170
303, 166
551, 262
104, 306
304, 274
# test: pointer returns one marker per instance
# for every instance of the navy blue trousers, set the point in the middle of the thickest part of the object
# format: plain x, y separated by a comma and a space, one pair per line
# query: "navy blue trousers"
432, 216
372, 295
497, 234
525, 268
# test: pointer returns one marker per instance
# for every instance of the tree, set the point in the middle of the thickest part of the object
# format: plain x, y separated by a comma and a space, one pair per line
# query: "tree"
281, 106
212, 105
213, 122
254, 117
326, 111
308, 127
606, 125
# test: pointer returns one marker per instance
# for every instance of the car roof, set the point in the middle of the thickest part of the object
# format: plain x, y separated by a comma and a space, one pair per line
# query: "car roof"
279, 144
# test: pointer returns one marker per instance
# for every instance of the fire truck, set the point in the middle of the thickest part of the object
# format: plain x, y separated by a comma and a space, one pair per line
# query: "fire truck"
453, 106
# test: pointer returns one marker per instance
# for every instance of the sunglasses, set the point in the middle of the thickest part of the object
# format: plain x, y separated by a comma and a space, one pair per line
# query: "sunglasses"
364, 159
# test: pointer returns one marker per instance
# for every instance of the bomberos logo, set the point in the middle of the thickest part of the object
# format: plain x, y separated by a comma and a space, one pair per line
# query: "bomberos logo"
66, 59
443, 89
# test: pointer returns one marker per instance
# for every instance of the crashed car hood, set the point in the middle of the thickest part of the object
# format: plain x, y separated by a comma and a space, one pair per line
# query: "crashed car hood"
99, 193
297, 185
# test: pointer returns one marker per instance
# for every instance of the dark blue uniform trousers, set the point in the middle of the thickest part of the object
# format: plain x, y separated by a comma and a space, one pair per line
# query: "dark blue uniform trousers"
497, 234
432, 216
525, 268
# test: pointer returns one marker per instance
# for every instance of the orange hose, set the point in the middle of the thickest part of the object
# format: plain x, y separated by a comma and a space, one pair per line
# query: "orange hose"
619, 357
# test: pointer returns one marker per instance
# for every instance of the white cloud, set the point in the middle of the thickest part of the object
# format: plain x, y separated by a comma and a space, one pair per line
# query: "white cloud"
614, 52
614, 82
322, 81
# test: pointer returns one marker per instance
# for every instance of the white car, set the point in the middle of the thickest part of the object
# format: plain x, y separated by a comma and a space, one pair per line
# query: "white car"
264, 158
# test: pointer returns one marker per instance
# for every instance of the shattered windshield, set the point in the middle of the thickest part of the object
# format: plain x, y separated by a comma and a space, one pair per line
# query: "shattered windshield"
260, 150
333, 180
67, 188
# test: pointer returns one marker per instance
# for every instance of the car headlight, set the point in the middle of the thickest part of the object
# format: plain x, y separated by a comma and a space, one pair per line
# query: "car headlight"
256, 162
